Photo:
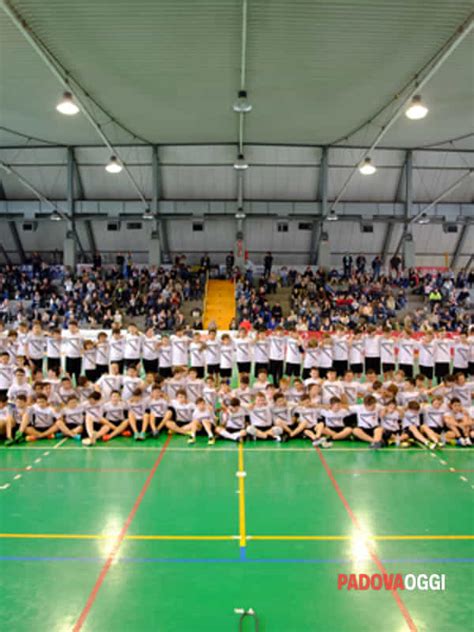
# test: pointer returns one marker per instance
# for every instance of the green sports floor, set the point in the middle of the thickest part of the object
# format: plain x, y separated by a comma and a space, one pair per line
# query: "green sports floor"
162, 536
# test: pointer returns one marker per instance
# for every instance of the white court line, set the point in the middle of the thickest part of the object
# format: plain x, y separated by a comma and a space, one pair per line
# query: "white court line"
15, 478
59, 443
275, 450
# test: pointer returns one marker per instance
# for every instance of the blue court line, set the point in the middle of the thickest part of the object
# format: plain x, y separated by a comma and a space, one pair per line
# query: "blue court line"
232, 560
243, 553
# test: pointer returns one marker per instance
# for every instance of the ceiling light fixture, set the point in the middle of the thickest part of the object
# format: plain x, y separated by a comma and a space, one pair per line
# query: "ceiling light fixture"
67, 105
240, 213
417, 109
242, 106
423, 219
113, 166
241, 163
147, 214
55, 216
367, 167
332, 216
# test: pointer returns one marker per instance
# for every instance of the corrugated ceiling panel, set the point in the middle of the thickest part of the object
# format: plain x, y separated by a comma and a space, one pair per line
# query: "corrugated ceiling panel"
379, 187
281, 183
428, 185
219, 183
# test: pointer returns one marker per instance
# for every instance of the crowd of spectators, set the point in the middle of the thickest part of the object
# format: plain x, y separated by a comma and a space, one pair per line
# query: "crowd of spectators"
98, 296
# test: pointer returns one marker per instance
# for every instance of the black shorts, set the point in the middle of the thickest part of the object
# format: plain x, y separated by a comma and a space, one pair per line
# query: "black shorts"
372, 363
357, 368
464, 371
3, 392
350, 421
292, 369
91, 374
41, 428
471, 368
369, 431
74, 426
53, 363
306, 374
213, 369
387, 367
340, 366
225, 373
244, 367
260, 366
101, 369
165, 371
441, 370
323, 371
37, 363
427, 371
199, 371
335, 428
150, 366
407, 369
388, 434
409, 429
128, 362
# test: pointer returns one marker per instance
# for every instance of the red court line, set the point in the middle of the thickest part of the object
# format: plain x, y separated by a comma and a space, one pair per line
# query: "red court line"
406, 615
438, 471
75, 469
108, 563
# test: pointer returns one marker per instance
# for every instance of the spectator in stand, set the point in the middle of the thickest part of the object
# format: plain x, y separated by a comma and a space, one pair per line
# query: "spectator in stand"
395, 266
347, 265
97, 260
360, 264
267, 264
229, 264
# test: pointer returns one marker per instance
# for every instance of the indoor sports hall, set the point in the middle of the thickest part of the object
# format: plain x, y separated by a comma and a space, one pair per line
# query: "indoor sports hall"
236, 316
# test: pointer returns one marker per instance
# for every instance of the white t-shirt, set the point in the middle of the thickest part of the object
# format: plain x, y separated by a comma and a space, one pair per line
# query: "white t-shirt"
387, 350
365, 418
293, 351
372, 346
277, 348
132, 347
72, 344
179, 350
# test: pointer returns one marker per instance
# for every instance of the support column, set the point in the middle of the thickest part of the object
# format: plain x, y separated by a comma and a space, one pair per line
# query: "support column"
408, 245
459, 244
320, 246
155, 247
17, 241
69, 246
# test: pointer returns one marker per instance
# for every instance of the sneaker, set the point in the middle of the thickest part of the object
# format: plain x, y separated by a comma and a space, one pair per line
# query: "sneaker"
155, 433
277, 431
443, 439
191, 440
211, 441
106, 438
285, 437
318, 442
58, 435
141, 436
19, 437
9, 442
432, 445
397, 440
326, 444
375, 445
126, 433
51, 437
29, 439
467, 441
405, 444
460, 442
77, 437
136, 436
87, 442
278, 439
251, 430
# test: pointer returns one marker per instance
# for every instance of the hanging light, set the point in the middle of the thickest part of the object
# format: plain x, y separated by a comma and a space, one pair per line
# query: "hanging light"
55, 216
367, 167
113, 166
423, 219
147, 214
332, 216
240, 213
242, 105
67, 105
417, 109
241, 163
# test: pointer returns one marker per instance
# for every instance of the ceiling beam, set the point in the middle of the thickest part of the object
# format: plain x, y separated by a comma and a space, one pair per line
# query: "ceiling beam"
458, 248
317, 228
161, 227
420, 79
386, 241
91, 236
17, 241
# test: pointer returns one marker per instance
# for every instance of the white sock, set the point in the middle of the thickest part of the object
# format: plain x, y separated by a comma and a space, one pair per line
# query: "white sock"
227, 435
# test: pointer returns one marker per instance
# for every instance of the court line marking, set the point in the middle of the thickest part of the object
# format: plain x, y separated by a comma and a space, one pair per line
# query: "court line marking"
118, 542
27, 468
322, 538
232, 560
75, 470
401, 606
275, 449
242, 523
395, 471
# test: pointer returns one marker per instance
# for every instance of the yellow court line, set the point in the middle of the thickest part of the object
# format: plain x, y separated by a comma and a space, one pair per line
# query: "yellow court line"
368, 537
243, 537
242, 525
106, 536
